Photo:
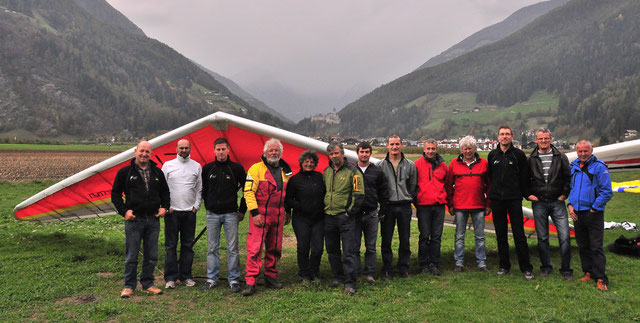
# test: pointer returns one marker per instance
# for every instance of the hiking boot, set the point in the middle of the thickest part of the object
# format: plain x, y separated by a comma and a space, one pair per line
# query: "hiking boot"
586, 278
126, 292
567, 276
249, 290
425, 270
189, 282
272, 283
314, 279
370, 280
435, 270
458, 269
503, 271
209, 284
602, 286
528, 275
483, 269
349, 290
170, 284
335, 283
153, 290
403, 274
387, 276
235, 287
545, 272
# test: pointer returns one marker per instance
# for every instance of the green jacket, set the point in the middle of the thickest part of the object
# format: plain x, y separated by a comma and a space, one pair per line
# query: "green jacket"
345, 190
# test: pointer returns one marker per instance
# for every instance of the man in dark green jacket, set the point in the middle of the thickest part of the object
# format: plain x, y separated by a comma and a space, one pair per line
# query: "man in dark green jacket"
343, 201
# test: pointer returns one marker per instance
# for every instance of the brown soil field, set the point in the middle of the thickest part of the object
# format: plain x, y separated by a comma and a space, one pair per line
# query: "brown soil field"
41, 165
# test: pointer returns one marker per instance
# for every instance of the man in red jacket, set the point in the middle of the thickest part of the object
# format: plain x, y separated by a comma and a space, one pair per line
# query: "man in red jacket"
430, 201
467, 189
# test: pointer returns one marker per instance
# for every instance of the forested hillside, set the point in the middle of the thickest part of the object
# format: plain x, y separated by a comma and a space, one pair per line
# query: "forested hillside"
586, 53
64, 71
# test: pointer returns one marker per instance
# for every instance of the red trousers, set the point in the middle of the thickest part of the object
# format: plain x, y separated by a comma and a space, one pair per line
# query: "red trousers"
269, 236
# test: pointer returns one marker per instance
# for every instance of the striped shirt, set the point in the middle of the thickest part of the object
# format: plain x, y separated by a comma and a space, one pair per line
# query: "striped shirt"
546, 163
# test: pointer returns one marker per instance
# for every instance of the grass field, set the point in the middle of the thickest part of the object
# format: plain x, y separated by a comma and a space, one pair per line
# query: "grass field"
73, 272
72, 147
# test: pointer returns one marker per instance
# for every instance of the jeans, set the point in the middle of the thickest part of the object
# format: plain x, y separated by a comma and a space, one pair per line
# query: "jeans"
182, 224
366, 224
230, 223
143, 229
310, 237
557, 210
340, 228
430, 225
590, 234
461, 218
513, 208
402, 214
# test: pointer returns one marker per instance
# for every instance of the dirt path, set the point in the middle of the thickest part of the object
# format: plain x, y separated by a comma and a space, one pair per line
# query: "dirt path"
40, 165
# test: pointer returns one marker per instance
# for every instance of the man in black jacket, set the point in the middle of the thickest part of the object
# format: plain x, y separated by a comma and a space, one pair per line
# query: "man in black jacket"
376, 190
550, 182
221, 180
509, 181
147, 199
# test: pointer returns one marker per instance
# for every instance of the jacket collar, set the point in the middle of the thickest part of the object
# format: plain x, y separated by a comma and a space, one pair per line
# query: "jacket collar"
285, 167
476, 157
535, 152
401, 157
152, 164
344, 164
435, 161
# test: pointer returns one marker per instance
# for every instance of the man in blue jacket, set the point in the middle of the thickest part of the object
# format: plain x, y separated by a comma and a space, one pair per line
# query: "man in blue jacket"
590, 192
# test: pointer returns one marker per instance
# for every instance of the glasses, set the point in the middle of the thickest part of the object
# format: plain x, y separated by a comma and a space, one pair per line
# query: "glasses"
543, 139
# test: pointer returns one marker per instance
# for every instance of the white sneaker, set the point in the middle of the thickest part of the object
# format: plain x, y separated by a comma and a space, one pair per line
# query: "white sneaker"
189, 282
170, 284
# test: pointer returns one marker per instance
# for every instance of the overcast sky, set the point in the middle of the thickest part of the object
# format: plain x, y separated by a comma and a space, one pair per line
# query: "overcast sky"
323, 45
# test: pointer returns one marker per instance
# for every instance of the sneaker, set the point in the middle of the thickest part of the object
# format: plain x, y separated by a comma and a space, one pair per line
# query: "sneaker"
189, 282
235, 287
209, 284
528, 275
435, 270
545, 272
458, 269
403, 274
370, 280
503, 272
315, 279
335, 283
586, 278
249, 290
567, 276
425, 270
170, 284
272, 283
602, 286
153, 290
483, 269
349, 290
387, 276
126, 292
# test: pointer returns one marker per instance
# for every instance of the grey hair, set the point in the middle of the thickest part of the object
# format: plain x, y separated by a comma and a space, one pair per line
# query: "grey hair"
544, 130
332, 146
271, 142
308, 154
468, 141
584, 141
431, 141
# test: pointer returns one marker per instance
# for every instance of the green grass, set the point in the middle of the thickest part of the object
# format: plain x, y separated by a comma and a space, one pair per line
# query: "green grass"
73, 272
75, 147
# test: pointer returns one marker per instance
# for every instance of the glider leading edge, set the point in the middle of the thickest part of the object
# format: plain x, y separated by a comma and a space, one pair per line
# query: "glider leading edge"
87, 194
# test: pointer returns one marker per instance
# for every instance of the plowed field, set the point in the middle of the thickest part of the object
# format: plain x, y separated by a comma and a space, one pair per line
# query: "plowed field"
40, 165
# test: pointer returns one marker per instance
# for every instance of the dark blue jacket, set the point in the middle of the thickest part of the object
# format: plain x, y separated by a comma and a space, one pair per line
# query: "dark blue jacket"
590, 185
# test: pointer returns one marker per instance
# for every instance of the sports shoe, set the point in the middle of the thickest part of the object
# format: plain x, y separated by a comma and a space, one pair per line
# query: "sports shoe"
209, 284
528, 275
458, 269
483, 269
435, 270
272, 283
126, 293
403, 274
349, 290
170, 284
335, 283
545, 272
602, 286
503, 272
249, 290
370, 280
567, 276
586, 278
387, 276
153, 290
189, 282
235, 287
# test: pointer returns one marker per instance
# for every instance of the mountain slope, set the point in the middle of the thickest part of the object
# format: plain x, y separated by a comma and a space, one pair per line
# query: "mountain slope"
493, 33
572, 52
63, 71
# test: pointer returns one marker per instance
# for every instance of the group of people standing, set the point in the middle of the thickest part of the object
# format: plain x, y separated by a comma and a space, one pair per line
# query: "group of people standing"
346, 202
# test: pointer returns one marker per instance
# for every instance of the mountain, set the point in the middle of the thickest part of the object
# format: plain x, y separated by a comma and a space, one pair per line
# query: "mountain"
495, 32
79, 68
578, 54
246, 96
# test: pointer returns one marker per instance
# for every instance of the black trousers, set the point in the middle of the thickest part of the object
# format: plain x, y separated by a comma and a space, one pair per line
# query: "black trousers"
182, 225
430, 224
310, 236
589, 231
341, 228
366, 225
400, 213
513, 208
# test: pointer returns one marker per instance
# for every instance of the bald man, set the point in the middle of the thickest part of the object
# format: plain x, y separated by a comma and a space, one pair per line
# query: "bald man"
146, 200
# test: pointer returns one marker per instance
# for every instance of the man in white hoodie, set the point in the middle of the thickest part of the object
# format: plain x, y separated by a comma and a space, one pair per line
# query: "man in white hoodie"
185, 185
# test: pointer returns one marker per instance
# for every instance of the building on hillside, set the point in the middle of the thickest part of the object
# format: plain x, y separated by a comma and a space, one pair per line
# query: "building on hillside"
630, 134
329, 118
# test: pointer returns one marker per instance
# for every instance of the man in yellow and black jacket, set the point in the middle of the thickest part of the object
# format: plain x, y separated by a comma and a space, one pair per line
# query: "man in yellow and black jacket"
343, 202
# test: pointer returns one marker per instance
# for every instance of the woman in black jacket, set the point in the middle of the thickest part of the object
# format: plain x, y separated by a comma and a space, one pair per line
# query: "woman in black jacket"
305, 195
